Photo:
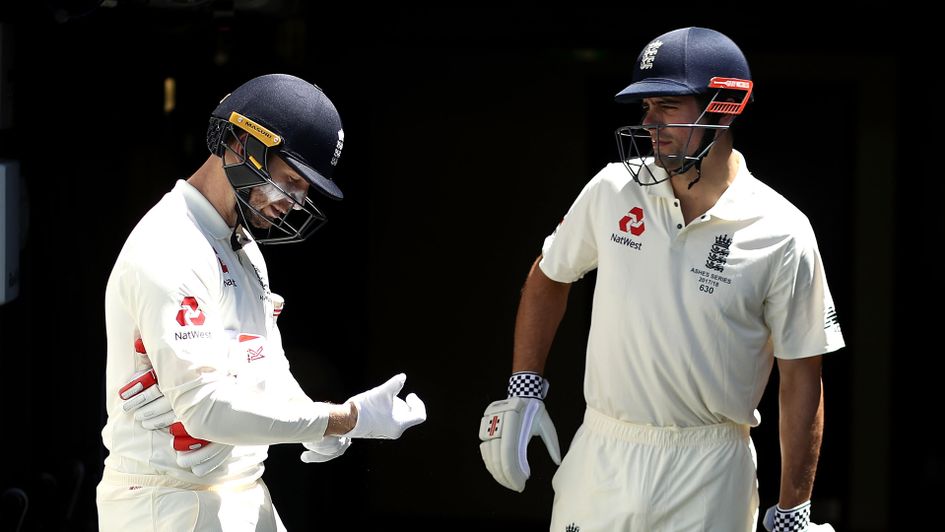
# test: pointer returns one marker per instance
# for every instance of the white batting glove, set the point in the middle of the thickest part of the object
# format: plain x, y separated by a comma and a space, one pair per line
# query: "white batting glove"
796, 519
144, 398
205, 459
141, 389
383, 415
508, 425
155, 415
201, 456
325, 449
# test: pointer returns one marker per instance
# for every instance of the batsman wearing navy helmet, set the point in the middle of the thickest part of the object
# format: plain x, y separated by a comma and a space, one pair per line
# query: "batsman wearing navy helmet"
197, 383
705, 278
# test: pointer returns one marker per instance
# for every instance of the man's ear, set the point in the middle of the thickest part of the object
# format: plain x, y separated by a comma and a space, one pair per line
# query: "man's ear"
238, 142
242, 135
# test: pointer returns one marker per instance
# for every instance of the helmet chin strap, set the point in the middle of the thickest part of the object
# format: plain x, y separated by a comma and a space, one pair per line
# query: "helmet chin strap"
705, 145
704, 148
698, 174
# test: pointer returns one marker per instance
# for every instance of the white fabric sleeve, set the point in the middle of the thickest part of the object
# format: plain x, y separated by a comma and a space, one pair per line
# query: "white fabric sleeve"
285, 380
799, 309
571, 250
191, 363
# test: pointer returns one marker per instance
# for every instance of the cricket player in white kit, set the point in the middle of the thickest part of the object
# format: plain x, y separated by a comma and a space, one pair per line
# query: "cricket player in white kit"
705, 278
191, 323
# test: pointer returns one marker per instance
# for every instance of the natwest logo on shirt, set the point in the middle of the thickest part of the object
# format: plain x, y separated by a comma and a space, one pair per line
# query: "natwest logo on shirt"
189, 313
633, 222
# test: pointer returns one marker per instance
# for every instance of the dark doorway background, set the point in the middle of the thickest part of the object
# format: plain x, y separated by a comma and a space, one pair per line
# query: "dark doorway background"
468, 134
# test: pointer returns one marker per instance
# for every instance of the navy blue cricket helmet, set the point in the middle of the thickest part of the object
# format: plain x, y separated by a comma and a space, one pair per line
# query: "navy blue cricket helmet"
684, 62
278, 114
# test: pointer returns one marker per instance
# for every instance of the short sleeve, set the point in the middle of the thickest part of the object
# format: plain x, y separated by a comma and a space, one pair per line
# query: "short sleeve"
799, 309
571, 250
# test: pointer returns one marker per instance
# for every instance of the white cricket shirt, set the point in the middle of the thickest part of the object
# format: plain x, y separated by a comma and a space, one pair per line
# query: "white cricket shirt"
179, 286
686, 318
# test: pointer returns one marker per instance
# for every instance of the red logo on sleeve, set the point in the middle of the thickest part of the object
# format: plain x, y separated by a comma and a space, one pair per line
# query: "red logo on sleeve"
254, 354
189, 314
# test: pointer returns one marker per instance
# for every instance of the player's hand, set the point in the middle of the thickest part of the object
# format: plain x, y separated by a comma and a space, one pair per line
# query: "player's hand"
325, 449
200, 456
142, 396
507, 426
381, 414
795, 519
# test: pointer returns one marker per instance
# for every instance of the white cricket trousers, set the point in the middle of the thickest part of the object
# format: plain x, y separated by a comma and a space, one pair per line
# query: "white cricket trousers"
156, 503
639, 478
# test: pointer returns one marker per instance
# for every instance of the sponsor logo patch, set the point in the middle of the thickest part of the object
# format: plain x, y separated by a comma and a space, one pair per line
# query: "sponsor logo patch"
493, 425
193, 335
633, 222
254, 354
190, 313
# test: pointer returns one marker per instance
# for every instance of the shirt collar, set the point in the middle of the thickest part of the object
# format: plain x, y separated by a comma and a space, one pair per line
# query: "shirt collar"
203, 211
664, 188
740, 200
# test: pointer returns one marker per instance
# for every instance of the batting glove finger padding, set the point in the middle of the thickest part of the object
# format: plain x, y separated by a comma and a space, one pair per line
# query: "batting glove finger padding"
796, 519
383, 415
205, 459
141, 389
325, 449
184, 441
156, 415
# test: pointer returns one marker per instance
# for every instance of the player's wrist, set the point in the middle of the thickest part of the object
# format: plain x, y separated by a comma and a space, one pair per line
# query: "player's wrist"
528, 385
352, 416
341, 419
795, 517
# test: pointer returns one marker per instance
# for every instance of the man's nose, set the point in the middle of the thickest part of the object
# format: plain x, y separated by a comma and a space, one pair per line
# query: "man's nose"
297, 194
650, 117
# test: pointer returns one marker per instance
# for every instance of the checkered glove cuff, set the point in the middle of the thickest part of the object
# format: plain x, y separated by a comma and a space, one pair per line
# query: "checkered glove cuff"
796, 519
527, 384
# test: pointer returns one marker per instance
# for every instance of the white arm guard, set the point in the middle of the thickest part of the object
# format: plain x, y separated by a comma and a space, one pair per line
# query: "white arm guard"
507, 426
